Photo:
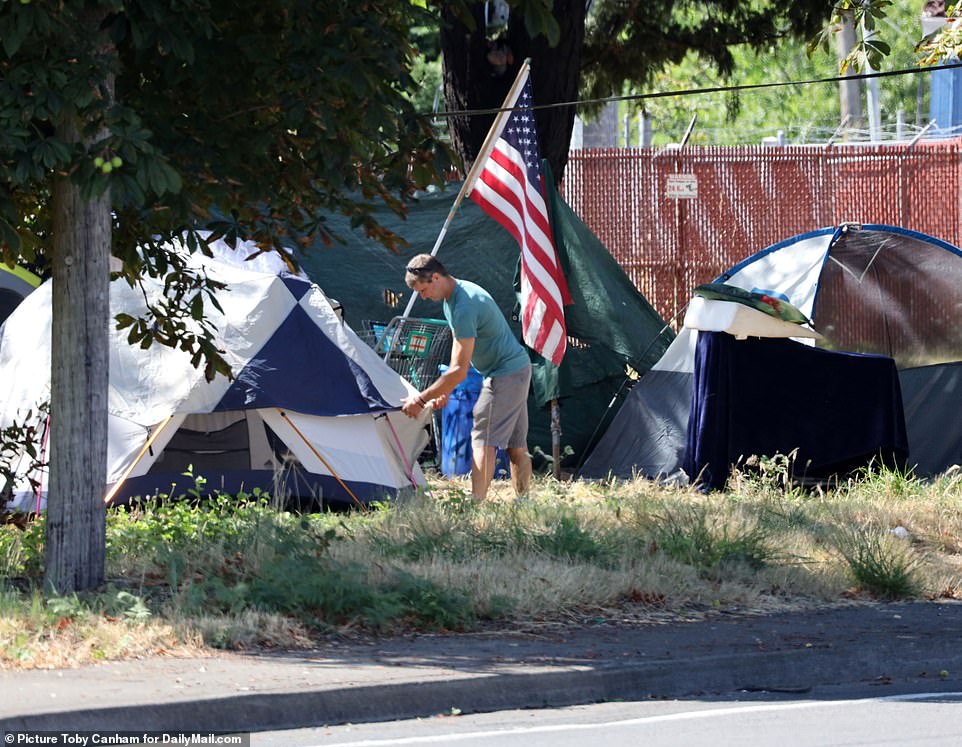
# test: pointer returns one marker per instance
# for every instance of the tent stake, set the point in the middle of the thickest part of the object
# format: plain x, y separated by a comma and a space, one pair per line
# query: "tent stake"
150, 442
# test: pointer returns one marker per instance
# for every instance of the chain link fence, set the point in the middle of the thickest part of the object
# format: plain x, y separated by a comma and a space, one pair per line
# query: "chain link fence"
675, 218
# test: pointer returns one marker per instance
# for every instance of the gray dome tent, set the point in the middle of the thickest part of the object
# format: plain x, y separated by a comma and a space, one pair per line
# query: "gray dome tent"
868, 289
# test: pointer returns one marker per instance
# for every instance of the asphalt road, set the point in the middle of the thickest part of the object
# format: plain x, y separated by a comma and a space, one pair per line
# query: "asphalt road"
827, 718
907, 647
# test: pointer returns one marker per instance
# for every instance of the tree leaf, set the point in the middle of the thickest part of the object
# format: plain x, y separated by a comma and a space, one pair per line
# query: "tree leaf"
9, 236
123, 321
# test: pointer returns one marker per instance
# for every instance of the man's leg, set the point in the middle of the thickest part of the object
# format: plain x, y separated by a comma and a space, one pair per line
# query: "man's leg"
482, 469
520, 470
501, 417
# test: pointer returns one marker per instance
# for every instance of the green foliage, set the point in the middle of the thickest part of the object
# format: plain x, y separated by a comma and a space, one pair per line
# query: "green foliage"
543, 462
21, 550
539, 21
880, 564
59, 609
225, 556
862, 15
806, 114
126, 605
69, 607
301, 582
893, 483
706, 542
177, 318
568, 539
767, 475
252, 119
593, 51
32, 622
216, 105
946, 43
172, 526
630, 44
19, 441
445, 562
428, 605
457, 535
426, 72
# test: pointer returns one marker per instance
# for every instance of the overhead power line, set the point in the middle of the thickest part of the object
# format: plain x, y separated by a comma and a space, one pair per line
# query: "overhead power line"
699, 91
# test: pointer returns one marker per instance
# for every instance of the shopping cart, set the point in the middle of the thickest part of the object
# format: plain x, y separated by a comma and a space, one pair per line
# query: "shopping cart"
415, 348
412, 347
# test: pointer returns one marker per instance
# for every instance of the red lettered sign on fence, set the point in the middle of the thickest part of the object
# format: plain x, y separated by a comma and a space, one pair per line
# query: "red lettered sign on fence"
681, 187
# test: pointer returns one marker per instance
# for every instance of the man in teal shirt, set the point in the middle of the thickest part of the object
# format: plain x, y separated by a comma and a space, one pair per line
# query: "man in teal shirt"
481, 337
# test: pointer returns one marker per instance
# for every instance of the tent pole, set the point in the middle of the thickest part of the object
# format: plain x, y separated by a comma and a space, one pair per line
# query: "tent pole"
323, 460
150, 442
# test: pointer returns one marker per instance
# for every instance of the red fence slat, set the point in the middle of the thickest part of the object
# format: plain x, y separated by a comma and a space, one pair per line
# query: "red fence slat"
750, 197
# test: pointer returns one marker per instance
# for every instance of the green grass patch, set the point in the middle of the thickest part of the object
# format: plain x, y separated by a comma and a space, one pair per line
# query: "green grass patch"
708, 541
236, 571
880, 564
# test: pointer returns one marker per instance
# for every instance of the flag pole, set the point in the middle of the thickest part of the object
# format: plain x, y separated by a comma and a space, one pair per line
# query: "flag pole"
472, 176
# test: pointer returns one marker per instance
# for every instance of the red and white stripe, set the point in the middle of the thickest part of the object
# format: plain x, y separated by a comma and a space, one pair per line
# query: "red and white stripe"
504, 191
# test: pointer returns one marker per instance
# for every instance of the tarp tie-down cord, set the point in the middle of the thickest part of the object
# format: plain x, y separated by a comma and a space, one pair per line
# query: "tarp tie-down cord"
404, 457
323, 460
150, 442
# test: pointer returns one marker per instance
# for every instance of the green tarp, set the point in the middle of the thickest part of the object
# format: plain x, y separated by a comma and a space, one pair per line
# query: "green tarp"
614, 330
610, 325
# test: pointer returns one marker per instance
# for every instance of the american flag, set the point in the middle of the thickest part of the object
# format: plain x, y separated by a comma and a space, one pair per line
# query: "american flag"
510, 188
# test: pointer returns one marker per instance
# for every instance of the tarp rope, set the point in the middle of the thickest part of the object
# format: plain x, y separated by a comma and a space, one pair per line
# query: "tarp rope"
323, 460
404, 457
150, 442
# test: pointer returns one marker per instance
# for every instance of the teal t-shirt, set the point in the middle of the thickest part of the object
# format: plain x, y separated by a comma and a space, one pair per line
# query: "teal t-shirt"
472, 312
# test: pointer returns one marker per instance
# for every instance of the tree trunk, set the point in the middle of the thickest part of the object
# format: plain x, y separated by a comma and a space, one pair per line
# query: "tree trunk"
76, 516
470, 81
849, 91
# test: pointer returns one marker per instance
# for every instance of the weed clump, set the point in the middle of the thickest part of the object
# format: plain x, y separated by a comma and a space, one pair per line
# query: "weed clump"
241, 572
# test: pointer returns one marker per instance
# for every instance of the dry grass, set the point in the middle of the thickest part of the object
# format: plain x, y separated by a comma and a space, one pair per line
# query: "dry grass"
33, 637
571, 552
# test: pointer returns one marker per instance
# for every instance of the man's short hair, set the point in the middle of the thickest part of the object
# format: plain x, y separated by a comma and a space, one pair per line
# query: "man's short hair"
422, 267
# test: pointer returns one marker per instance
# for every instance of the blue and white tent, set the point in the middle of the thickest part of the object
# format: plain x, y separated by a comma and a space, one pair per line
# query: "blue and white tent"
312, 414
867, 289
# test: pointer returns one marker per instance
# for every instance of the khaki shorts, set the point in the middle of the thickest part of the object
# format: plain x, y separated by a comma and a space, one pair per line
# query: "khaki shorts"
501, 412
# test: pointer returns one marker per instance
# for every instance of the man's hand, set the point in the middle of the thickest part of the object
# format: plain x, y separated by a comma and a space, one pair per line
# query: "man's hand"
411, 405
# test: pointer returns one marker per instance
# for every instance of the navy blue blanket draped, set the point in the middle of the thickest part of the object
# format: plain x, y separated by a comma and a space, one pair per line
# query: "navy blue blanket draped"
771, 396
